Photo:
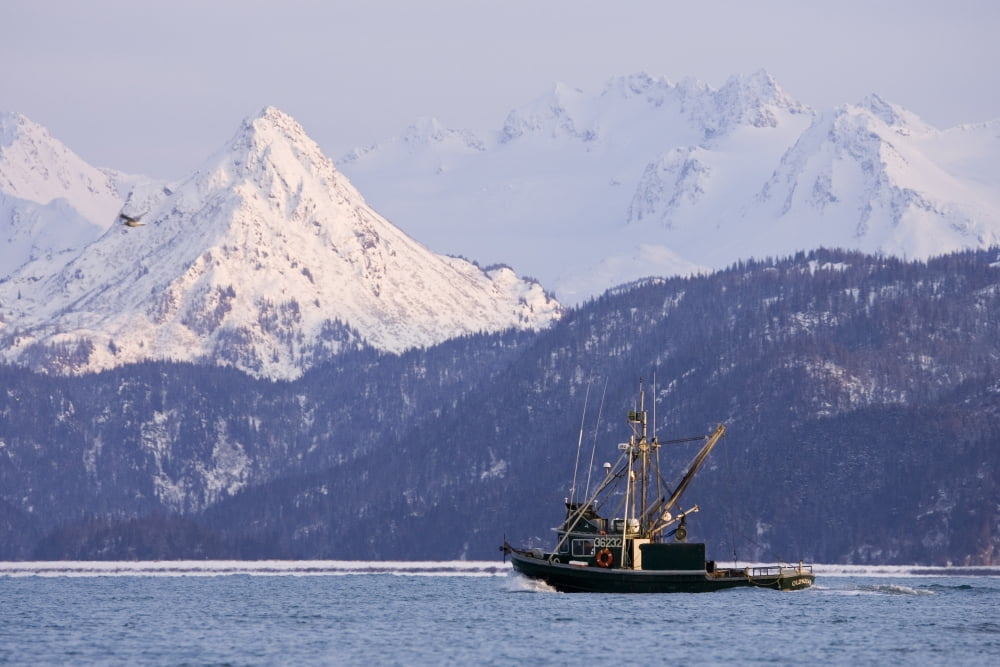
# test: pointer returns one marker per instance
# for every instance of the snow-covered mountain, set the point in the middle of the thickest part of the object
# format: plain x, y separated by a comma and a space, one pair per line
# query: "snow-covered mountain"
875, 177
52, 203
651, 177
266, 259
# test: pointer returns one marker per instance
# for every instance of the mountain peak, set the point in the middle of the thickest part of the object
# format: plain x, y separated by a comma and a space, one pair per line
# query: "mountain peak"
553, 113
51, 201
893, 115
267, 259
12, 125
860, 167
756, 100
272, 123
275, 138
714, 175
759, 84
265, 164
36, 167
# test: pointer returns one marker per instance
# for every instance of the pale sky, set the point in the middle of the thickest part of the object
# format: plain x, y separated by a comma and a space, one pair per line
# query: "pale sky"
155, 87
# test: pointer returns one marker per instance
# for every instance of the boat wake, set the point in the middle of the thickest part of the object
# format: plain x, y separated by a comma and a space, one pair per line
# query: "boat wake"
517, 583
905, 571
894, 589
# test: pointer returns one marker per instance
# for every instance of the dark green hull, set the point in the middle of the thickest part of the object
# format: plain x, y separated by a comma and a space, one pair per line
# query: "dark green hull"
634, 552
586, 579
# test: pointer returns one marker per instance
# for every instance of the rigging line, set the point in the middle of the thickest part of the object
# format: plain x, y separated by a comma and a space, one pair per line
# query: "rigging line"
659, 482
579, 443
597, 428
760, 549
680, 441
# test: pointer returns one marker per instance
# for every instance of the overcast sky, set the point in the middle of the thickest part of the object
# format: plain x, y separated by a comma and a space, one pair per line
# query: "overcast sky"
155, 87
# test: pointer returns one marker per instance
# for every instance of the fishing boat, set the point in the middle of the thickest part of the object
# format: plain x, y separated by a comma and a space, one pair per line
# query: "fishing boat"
642, 547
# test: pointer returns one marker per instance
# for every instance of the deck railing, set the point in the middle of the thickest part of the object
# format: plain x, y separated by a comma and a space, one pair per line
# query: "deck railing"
778, 570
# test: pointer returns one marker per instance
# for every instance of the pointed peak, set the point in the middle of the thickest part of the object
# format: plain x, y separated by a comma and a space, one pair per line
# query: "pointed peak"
757, 90
272, 133
37, 167
268, 127
756, 100
891, 114
562, 90
15, 126
272, 121
553, 112
879, 107
10, 127
761, 78
274, 114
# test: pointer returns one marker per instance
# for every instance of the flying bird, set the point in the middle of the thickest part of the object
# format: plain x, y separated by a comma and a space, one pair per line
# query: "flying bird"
129, 221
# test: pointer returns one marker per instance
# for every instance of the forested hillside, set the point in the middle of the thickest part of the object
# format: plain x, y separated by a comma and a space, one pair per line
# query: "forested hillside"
861, 396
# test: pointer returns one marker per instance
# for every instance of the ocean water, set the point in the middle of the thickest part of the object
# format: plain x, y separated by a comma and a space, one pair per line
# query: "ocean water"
323, 613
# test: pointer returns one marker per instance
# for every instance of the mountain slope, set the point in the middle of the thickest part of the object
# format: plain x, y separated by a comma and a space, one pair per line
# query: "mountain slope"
266, 259
655, 178
860, 395
862, 176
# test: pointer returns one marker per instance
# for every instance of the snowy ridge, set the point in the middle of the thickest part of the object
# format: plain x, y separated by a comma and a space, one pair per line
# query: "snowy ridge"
859, 177
266, 259
650, 177
269, 259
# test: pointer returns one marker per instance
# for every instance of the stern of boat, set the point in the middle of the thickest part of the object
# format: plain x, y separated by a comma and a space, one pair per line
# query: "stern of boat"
782, 577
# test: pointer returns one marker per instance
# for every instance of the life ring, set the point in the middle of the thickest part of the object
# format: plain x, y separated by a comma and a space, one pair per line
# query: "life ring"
605, 558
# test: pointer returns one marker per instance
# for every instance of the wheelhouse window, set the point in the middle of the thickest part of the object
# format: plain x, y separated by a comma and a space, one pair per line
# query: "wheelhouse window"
583, 547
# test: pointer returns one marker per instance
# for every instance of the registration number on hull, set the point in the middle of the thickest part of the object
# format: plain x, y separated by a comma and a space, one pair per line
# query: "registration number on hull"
607, 542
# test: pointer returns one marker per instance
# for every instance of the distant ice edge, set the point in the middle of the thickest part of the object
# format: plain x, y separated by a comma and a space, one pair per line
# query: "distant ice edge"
450, 568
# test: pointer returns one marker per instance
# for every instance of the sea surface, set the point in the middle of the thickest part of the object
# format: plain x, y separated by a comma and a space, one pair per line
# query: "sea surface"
355, 613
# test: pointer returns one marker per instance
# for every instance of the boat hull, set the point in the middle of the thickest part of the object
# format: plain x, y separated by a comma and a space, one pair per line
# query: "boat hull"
584, 579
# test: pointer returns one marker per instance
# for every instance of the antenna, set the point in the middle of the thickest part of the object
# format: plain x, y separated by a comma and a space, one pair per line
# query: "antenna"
597, 428
579, 443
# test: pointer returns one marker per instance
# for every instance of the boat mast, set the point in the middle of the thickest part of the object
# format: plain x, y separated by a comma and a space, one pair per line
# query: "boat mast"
640, 449
629, 500
644, 452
